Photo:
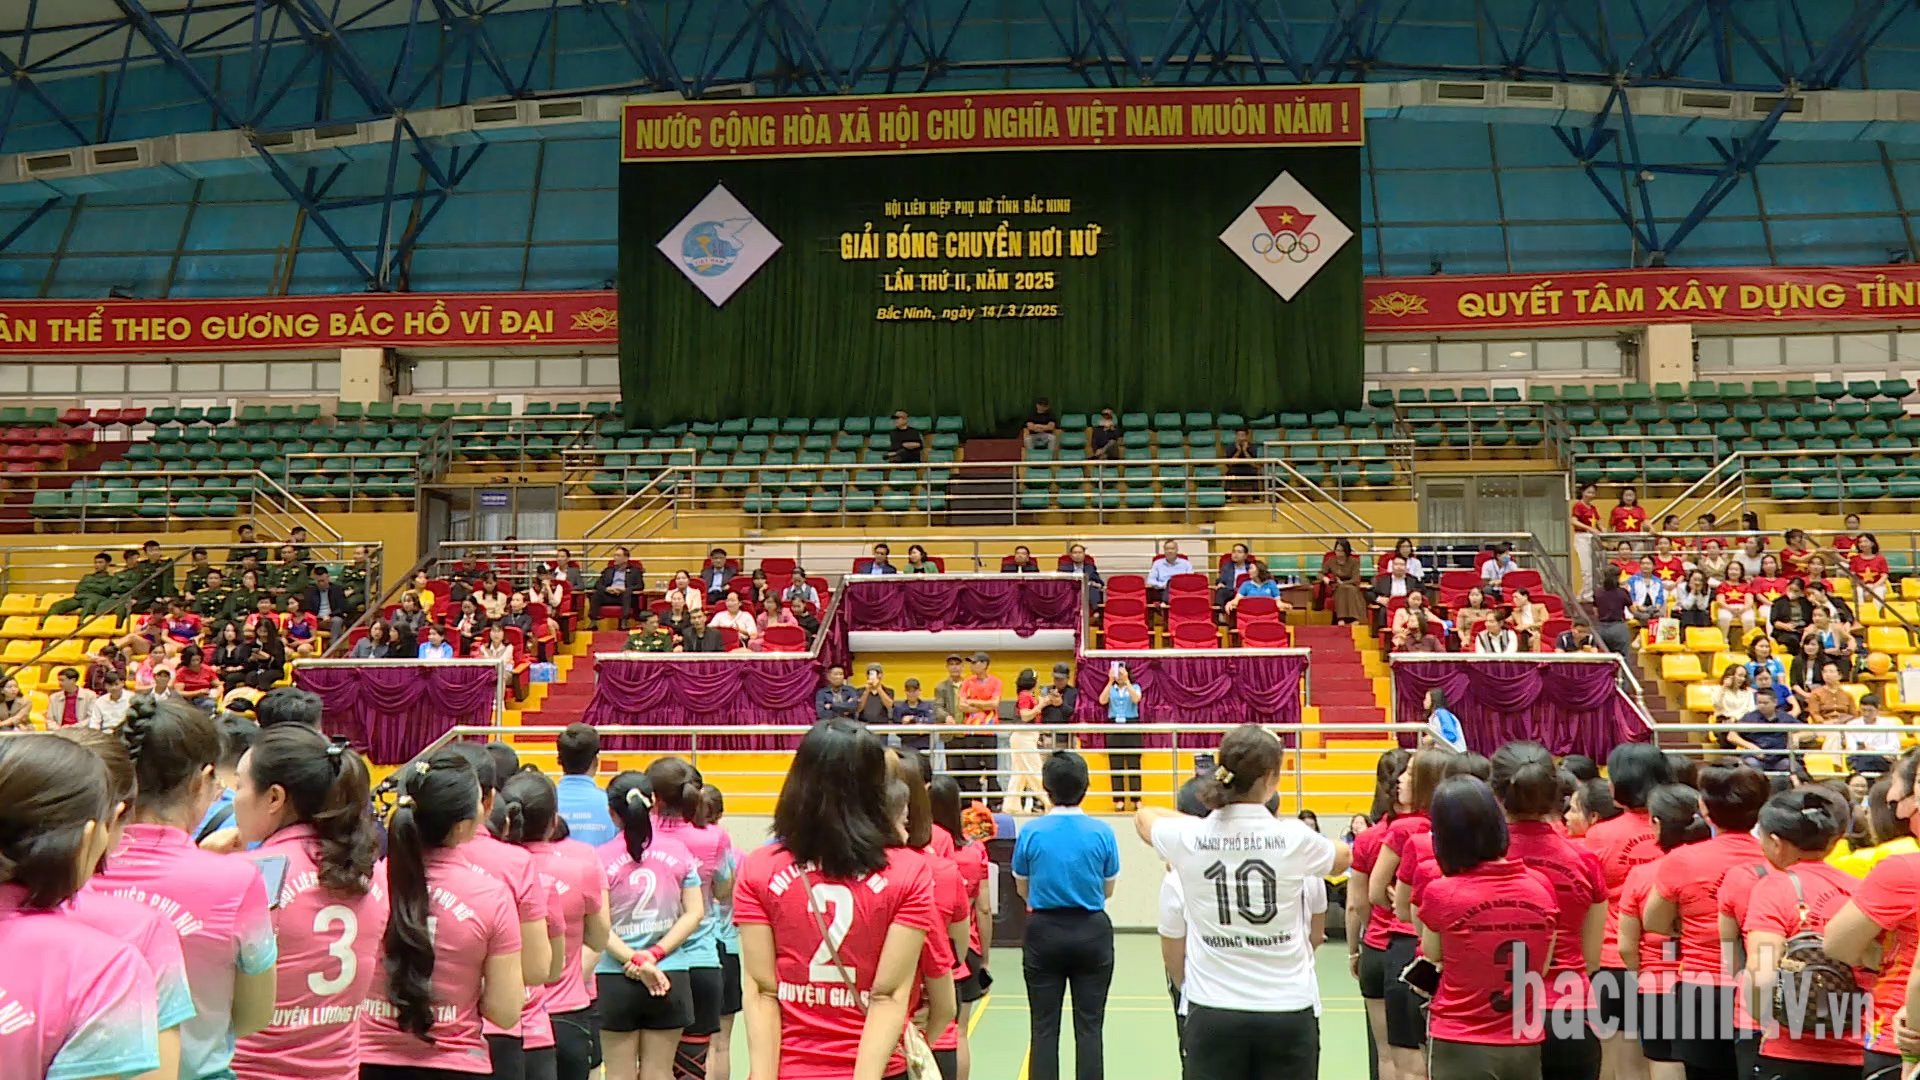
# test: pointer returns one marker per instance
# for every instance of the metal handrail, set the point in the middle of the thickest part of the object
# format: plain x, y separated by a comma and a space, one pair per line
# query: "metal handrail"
1315, 506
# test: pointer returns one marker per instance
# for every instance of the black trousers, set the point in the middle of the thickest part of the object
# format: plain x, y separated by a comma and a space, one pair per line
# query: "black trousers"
624, 601
976, 773
1068, 947
1125, 764
1227, 1044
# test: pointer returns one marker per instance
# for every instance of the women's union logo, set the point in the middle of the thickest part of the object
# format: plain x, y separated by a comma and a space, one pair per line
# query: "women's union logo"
719, 245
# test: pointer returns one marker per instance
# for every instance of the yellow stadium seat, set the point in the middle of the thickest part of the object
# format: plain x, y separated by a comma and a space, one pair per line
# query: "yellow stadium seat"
1889, 639
1705, 639
100, 626
1872, 614
20, 626
1910, 588
1856, 691
1725, 660
42, 602
28, 678
67, 652
19, 651
1681, 667
1842, 587
59, 626
1700, 696
16, 604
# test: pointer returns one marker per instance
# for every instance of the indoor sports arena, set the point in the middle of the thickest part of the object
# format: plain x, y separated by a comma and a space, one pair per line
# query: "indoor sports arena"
959, 540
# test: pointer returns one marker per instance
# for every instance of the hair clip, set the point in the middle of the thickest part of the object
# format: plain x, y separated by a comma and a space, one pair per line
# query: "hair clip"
1223, 775
404, 802
337, 747
420, 769
636, 797
1812, 813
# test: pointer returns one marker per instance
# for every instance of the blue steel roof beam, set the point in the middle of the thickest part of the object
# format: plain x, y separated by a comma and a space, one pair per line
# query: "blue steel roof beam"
1606, 193
1331, 57
33, 217
1676, 21
900, 28
644, 58
1100, 16
169, 51
1488, 23
410, 237
103, 128
537, 52
1189, 22
23, 84
1069, 40
1853, 58
711, 66
1288, 43
801, 41
1377, 34
470, 25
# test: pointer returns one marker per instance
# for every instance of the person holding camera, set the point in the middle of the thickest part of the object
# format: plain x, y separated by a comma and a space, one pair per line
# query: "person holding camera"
875, 704
1121, 696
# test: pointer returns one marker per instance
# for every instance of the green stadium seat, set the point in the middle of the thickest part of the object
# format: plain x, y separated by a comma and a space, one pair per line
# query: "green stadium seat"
1895, 388
1768, 389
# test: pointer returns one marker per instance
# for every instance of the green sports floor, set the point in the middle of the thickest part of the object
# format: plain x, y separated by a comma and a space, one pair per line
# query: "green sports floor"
1139, 1036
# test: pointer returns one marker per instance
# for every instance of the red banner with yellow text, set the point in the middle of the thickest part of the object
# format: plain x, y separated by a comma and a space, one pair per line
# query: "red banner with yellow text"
84, 327
1142, 119
1631, 297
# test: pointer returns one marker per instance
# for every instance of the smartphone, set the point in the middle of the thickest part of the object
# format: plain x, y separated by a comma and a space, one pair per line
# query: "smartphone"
273, 871
1203, 764
1116, 667
1422, 976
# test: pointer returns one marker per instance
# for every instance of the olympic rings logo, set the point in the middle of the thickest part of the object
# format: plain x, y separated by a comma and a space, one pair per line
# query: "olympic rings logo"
1285, 246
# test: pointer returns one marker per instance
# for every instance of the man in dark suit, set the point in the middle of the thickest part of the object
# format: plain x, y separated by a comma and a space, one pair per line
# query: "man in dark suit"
715, 575
700, 637
619, 586
1395, 582
328, 602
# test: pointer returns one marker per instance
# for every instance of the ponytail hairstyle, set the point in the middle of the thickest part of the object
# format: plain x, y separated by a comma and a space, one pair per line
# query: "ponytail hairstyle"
676, 791
51, 789
1733, 795
1809, 819
1248, 755
436, 795
1386, 784
713, 804
630, 801
525, 809
170, 745
904, 768
1526, 781
1677, 821
1426, 769
943, 804
326, 786
1470, 764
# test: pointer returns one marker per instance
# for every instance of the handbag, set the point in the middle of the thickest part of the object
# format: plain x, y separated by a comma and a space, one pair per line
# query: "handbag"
1829, 980
913, 1045
543, 673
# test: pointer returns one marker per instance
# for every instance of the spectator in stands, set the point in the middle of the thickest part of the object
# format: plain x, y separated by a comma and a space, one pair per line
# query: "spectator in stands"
1870, 748
914, 709
619, 586
196, 679
1342, 584
919, 562
72, 704
773, 613
230, 651
1165, 568
1735, 600
1473, 611
436, 647
1869, 566
1042, 429
1122, 697
1766, 685
1577, 639
1077, 563
1058, 700
1258, 583
758, 589
1816, 565
715, 576
327, 603
682, 586
210, 600
1751, 555
1835, 644
409, 623
698, 637
1495, 569
1712, 561
1733, 698
1498, 637
1760, 658
905, 441
651, 637
94, 593
980, 707
197, 567
1396, 582
1693, 601
16, 707
679, 613
1415, 628
267, 661
1611, 603
1649, 593
1829, 702
874, 704
245, 544
799, 591
461, 576
1021, 562
946, 692
1236, 568
519, 618
1770, 584
490, 597
836, 699
738, 619
562, 569
1404, 549
1527, 619
1797, 554
1241, 471
1628, 516
377, 645
1105, 444
471, 622
1625, 559
161, 690
497, 648
1586, 541
291, 577
1762, 744
881, 562
1790, 616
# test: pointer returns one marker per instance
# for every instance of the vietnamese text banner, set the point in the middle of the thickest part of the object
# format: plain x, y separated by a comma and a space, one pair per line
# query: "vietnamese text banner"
83, 327
1628, 297
1174, 118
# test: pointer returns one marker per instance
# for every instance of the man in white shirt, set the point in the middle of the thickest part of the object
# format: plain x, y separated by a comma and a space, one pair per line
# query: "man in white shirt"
1170, 563
1870, 748
110, 709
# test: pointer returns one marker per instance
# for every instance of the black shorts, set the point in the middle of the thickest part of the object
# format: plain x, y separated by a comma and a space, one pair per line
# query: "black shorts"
1228, 1044
1880, 1066
1659, 1019
410, 1072
974, 986
509, 1057
1706, 1013
1577, 1058
708, 999
626, 1005
730, 993
1782, 1069
1406, 1010
1613, 997
948, 1060
576, 1043
543, 1064
1373, 972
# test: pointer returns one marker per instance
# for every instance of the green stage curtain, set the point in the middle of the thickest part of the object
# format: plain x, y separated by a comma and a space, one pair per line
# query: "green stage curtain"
1164, 317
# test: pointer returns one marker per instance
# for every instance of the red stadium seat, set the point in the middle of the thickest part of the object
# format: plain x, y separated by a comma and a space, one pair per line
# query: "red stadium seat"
132, 417
76, 416
1461, 580
1196, 636
1127, 635
1126, 585
777, 566
742, 584
1256, 608
729, 638
1128, 607
1187, 585
1064, 560
1188, 608
1523, 579
1264, 635
782, 638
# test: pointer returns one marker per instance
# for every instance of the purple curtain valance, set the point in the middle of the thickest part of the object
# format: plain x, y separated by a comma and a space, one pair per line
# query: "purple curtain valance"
953, 602
390, 712
1567, 707
666, 693
1205, 687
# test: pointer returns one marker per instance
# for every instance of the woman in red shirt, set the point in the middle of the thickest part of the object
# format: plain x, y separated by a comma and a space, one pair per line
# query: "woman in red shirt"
1628, 516
1868, 564
830, 886
1884, 913
1370, 926
1845, 541
1622, 843
1670, 568
1734, 598
194, 678
1527, 783
1798, 829
1406, 1025
1685, 901
970, 859
1625, 559
1769, 584
1586, 539
1797, 552
1653, 963
1491, 914
940, 958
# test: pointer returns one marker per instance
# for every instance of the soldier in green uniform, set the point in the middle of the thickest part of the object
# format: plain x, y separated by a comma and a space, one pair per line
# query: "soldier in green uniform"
95, 592
245, 546
651, 637
291, 577
354, 577
197, 570
131, 573
243, 598
209, 601
158, 572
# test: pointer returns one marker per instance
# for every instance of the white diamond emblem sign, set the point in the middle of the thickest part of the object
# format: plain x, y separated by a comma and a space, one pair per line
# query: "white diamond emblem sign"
1285, 235
719, 245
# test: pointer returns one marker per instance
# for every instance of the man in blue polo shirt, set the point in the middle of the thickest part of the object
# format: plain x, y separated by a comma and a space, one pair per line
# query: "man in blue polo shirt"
1065, 865
583, 806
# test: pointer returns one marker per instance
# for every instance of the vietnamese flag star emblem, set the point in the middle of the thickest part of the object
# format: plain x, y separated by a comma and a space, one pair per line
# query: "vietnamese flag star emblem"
1283, 219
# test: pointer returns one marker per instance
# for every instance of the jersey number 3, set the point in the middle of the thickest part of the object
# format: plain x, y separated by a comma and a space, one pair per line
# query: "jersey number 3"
341, 919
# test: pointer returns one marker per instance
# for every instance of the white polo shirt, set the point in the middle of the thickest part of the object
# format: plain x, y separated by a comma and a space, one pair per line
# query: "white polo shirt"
1244, 873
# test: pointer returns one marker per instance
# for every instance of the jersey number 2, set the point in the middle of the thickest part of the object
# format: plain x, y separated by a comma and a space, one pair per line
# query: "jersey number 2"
836, 903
